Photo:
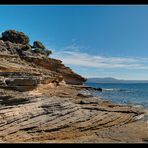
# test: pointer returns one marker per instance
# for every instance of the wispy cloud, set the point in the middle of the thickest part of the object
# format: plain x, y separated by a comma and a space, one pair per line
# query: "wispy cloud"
95, 61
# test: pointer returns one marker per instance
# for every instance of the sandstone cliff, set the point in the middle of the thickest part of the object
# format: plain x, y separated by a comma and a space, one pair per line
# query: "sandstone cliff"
18, 56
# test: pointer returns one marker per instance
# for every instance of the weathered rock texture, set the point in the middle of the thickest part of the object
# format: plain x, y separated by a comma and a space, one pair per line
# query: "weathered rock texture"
36, 104
58, 115
17, 57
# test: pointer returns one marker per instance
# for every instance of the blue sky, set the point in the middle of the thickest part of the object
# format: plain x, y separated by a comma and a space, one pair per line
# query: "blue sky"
95, 41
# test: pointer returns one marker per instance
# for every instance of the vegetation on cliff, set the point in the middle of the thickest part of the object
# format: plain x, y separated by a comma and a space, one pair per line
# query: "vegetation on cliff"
19, 40
15, 37
32, 59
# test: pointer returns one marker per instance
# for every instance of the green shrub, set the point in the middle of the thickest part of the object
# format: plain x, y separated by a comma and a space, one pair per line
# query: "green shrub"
15, 37
38, 44
39, 50
43, 51
48, 52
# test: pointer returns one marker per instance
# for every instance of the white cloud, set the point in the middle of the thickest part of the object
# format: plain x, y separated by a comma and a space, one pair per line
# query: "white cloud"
93, 61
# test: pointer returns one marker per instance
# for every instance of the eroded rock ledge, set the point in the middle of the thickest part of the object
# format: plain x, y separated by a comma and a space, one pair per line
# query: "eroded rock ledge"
57, 114
17, 55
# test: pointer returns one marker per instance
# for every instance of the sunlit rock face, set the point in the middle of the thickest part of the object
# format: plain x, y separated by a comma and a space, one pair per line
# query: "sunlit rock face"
37, 104
19, 56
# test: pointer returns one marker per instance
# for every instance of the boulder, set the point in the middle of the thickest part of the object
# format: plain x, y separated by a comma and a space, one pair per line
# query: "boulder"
22, 82
15, 37
2, 48
9, 45
99, 89
2, 43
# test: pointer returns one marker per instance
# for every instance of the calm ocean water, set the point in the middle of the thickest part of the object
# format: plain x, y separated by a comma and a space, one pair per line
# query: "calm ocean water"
134, 94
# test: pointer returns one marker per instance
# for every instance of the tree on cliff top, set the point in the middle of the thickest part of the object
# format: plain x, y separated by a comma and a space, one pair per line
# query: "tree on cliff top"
20, 38
40, 48
38, 44
15, 37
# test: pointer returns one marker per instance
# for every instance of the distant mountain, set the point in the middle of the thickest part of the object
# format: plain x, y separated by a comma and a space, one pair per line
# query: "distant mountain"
113, 80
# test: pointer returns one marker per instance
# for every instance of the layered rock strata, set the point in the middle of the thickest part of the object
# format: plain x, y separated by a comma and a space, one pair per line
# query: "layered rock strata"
37, 104
57, 114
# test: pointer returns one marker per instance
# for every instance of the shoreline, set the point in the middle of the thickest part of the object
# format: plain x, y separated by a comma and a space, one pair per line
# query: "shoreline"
137, 122
98, 89
143, 116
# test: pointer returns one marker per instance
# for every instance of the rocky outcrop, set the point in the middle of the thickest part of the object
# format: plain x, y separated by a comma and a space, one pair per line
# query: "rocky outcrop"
59, 114
56, 65
21, 84
17, 82
22, 81
15, 45
91, 88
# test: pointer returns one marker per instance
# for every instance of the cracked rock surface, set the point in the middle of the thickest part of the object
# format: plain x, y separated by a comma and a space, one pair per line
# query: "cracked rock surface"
48, 114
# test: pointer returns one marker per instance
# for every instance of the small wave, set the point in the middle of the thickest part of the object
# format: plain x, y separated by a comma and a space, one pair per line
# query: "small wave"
115, 89
108, 89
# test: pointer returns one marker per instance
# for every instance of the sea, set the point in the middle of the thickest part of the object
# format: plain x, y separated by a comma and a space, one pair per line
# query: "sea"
132, 94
